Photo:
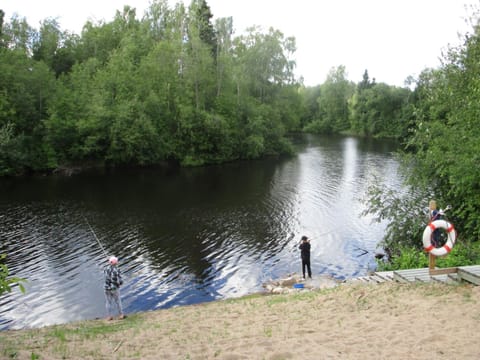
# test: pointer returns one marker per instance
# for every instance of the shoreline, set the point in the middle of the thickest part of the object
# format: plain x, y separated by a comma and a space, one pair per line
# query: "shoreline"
389, 320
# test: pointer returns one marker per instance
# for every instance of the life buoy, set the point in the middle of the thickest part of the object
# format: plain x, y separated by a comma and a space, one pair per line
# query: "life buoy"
427, 237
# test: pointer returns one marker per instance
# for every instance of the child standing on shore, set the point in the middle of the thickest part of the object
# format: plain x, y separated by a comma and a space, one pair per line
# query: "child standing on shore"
305, 254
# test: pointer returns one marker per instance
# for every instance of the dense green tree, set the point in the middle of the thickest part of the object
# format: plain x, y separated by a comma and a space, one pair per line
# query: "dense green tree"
26, 86
441, 159
223, 60
17, 35
366, 83
202, 16
198, 71
327, 106
46, 44
171, 86
333, 102
380, 110
310, 106
445, 139
56, 48
74, 128
2, 19
263, 61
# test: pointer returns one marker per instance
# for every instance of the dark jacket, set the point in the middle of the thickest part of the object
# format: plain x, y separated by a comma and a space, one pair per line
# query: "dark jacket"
305, 249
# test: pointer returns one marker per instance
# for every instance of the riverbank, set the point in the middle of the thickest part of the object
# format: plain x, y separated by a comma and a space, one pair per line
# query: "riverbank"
386, 321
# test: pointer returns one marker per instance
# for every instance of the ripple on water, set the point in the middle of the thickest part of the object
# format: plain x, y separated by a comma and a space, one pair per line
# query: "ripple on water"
188, 235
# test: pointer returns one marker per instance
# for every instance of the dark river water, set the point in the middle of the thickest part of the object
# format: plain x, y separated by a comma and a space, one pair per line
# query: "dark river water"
185, 236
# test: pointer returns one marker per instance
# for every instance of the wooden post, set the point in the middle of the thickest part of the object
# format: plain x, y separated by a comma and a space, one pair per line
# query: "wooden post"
431, 262
433, 271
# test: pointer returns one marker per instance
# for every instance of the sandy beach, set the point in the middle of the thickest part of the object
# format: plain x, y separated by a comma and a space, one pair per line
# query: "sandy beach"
354, 321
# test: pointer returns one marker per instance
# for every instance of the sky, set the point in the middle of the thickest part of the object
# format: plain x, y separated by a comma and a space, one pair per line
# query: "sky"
392, 39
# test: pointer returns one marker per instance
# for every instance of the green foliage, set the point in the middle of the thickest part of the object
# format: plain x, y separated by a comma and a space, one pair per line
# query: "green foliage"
172, 86
441, 158
333, 102
405, 214
380, 110
366, 109
406, 258
444, 142
10, 155
317, 126
7, 281
464, 253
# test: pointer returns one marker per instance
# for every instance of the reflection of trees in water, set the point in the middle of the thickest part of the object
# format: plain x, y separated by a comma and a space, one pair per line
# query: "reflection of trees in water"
220, 210
42, 232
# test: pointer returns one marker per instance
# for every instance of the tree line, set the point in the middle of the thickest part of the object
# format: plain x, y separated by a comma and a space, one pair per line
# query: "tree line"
440, 159
172, 86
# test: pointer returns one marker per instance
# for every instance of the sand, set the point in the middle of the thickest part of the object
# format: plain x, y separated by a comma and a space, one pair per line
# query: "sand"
383, 321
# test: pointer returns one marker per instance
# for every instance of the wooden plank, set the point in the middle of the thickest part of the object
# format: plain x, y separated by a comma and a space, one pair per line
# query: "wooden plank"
423, 276
386, 275
405, 275
399, 277
442, 271
410, 275
471, 275
454, 277
474, 269
444, 278
377, 279
447, 275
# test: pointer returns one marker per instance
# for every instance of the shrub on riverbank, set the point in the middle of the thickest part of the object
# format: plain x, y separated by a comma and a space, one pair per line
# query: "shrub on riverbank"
463, 254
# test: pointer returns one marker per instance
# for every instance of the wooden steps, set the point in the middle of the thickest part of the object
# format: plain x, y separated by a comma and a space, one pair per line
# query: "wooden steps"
377, 277
469, 274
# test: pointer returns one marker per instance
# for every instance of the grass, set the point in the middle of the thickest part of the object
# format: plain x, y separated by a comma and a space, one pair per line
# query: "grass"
57, 337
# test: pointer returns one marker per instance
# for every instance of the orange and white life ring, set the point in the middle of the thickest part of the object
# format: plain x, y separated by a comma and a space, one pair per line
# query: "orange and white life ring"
427, 237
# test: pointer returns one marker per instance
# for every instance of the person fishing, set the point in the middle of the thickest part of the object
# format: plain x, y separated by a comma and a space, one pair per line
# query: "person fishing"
305, 254
113, 281
434, 214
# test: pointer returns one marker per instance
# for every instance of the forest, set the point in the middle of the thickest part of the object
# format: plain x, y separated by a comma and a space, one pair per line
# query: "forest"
172, 87
177, 87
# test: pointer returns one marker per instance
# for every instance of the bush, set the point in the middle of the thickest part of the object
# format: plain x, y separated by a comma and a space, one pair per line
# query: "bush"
463, 254
5, 281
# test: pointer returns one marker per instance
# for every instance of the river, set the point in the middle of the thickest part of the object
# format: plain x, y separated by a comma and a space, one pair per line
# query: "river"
188, 235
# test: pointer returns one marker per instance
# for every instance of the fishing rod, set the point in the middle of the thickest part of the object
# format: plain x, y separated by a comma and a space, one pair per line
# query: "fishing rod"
319, 235
316, 236
96, 238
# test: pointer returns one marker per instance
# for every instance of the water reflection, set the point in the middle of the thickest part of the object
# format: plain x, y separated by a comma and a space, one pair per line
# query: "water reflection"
187, 235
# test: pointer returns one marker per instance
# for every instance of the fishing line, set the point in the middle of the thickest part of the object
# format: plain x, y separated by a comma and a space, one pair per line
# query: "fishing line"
325, 233
96, 238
